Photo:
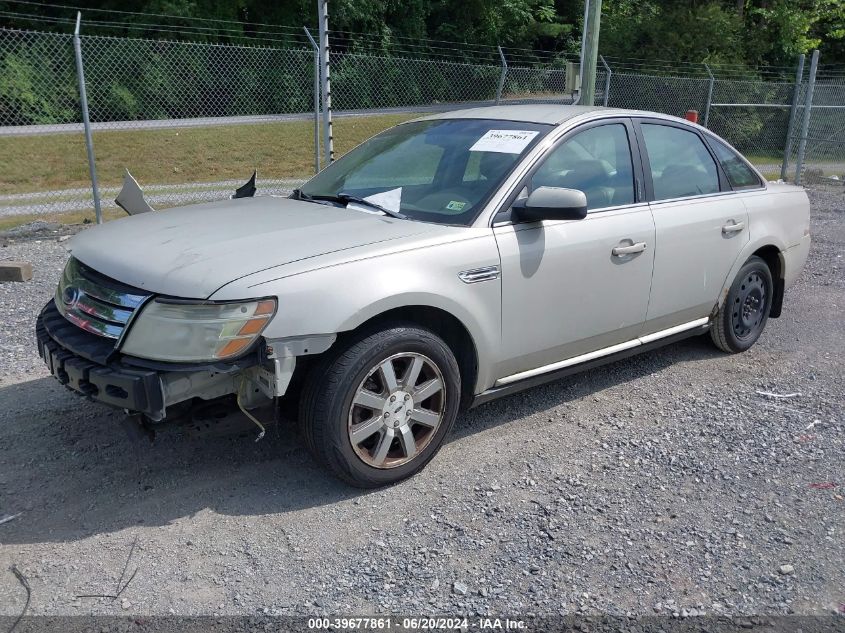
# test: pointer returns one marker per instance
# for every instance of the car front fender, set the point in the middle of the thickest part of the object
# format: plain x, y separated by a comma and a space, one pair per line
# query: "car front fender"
340, 297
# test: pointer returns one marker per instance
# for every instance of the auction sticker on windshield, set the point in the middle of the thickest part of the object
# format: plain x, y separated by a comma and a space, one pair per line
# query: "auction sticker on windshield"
504, 141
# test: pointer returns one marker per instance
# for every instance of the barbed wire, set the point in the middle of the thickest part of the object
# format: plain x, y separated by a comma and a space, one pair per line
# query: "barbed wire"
299, 38
391, 44
657, 66
272, 26
454, 52
148, 14
454, 43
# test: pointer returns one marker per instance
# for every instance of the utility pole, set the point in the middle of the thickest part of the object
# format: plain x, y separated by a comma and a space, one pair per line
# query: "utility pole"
323, 8
590, 51
808, 113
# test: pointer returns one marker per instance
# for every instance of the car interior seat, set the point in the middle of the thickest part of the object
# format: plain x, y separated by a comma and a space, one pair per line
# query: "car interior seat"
591, 177
683, 180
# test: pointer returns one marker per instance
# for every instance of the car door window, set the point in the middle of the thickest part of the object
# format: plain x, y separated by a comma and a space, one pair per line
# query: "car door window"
596, 161
680, 163
740, 175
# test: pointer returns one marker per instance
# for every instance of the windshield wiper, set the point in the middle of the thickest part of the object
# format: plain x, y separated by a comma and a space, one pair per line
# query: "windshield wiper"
345, 199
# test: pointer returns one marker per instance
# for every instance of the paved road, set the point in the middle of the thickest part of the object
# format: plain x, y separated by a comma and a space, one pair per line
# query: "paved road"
70, 128
159, 196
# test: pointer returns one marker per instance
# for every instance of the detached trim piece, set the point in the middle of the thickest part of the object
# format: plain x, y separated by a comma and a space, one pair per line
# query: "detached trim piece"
246, 190
131, 197
549, 373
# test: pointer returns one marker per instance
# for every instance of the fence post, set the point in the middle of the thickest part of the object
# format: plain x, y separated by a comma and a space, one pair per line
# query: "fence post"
316, 100
709, 96
323, 7
793, 111
502, 76
83, 102
805, 125
607, 74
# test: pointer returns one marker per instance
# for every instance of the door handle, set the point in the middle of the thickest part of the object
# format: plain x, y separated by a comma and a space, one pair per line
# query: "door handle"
736, 227
621, 251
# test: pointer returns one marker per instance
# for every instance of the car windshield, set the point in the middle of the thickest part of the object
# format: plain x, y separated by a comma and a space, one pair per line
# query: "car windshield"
441, 171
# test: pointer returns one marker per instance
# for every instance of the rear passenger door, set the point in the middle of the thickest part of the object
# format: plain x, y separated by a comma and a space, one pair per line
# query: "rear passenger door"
701, 225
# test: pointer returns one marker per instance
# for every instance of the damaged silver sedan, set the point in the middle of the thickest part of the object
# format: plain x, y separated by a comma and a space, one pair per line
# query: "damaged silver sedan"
444, 262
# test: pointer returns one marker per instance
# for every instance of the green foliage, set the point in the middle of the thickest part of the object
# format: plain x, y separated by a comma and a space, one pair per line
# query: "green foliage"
679, 31
762, 33
155, 78
752, 32
786, 28
37, 84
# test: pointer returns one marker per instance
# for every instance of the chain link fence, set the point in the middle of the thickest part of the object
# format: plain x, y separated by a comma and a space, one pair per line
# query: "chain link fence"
192, 120
37, 81
754, 116
824, 162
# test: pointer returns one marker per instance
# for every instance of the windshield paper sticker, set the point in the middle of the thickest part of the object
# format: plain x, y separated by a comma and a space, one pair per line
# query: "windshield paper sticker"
454, 205
391, 199
504, 141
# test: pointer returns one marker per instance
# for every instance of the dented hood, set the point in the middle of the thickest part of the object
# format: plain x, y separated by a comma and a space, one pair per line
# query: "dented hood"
192, 251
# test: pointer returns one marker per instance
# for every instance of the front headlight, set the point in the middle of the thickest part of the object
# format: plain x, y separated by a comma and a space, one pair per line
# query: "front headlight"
187, 332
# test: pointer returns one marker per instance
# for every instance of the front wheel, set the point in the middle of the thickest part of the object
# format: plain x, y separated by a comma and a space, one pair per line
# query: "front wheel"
378, 409
744, 313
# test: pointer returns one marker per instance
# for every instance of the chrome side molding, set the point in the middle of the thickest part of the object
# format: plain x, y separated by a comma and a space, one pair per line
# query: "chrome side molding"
487, 273
606, 351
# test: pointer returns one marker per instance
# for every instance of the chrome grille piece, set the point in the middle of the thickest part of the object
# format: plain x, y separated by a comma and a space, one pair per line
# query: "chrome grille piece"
96, 303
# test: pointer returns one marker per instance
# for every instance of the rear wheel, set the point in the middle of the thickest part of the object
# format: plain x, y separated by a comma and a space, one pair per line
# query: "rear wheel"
378, 410
744, 313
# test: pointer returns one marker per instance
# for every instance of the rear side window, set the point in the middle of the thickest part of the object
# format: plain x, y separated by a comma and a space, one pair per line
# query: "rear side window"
740, 175
680, 163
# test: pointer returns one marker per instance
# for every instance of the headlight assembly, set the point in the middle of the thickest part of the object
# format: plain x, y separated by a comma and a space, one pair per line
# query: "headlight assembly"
181, 331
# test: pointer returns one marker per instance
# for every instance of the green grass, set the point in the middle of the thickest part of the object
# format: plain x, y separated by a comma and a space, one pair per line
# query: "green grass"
174, 156
764, 158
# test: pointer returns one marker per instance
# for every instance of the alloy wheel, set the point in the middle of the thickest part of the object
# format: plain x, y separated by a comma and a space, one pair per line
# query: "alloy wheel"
397, 410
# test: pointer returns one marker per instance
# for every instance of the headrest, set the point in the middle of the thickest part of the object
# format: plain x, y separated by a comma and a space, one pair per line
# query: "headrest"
493, 164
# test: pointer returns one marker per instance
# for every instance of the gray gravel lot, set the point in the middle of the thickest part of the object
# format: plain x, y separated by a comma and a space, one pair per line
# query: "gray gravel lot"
660, 484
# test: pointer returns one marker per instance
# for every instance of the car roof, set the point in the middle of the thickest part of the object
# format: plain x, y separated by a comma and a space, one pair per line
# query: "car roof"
548, 113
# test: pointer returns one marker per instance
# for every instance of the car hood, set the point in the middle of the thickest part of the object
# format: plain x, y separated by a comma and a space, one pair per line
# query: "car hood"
192, 251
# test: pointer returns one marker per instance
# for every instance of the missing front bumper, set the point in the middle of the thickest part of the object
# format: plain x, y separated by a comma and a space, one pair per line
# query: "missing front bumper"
84, 365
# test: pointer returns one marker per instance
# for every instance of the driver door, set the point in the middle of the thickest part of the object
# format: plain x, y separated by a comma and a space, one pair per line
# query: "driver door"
565, 291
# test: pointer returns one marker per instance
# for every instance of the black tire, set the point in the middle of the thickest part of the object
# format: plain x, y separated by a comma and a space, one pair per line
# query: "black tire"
326, 408
744, 313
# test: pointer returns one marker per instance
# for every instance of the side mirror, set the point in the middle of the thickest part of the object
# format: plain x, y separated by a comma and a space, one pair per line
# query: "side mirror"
551, 203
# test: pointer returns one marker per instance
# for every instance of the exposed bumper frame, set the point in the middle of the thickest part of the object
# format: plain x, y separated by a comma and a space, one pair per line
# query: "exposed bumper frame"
90, 366
134, 389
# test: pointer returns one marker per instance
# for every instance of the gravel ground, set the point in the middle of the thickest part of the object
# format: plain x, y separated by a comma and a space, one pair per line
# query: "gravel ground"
660, 484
